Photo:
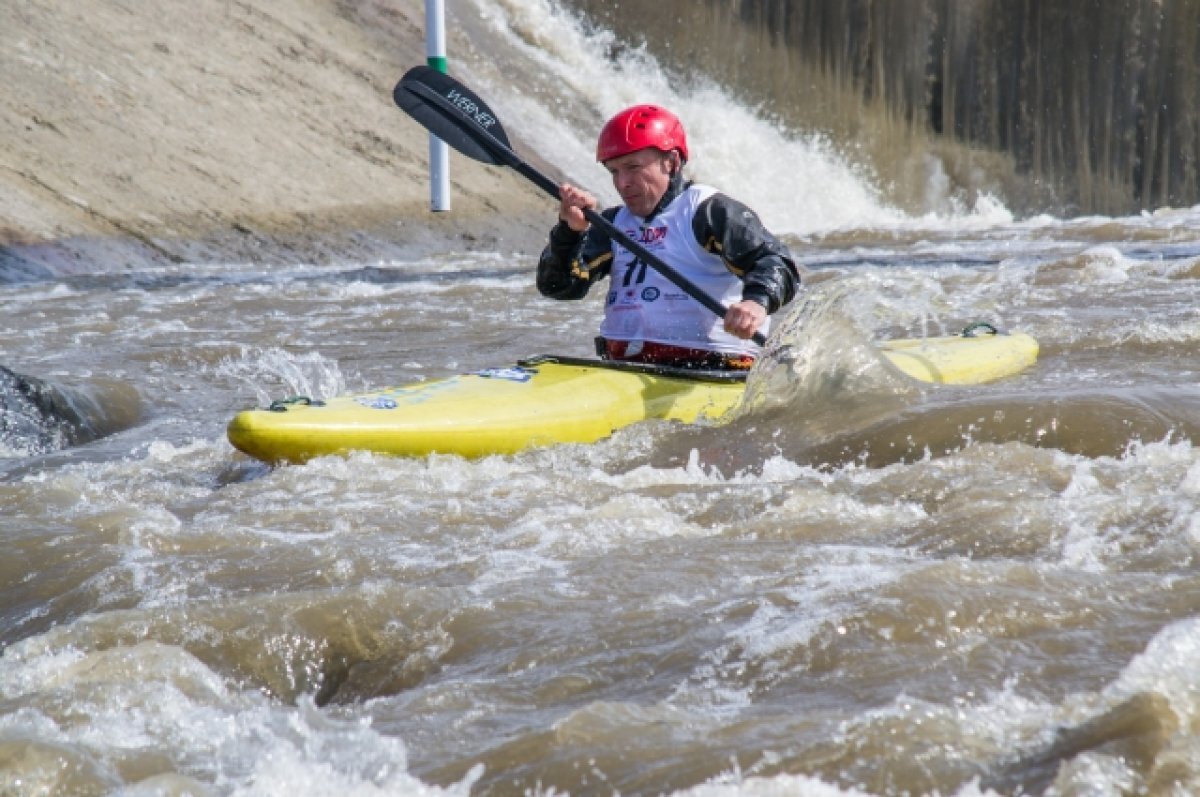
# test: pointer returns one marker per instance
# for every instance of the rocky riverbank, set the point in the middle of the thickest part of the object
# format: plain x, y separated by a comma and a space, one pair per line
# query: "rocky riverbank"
135, 134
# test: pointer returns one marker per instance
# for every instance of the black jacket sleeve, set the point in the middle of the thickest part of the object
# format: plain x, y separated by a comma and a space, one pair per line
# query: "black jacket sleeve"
728, 228
572, 262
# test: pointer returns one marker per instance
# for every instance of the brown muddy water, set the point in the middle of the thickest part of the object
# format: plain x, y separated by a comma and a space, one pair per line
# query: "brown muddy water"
857, 585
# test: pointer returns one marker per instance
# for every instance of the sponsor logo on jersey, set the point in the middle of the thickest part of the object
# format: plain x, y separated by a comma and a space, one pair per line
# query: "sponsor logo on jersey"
650, 293
648, 235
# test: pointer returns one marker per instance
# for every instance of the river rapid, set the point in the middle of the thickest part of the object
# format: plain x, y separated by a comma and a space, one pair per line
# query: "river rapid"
856, 585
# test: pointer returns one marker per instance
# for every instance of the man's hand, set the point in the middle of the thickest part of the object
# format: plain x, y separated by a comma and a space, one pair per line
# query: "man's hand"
574, 200
743, 319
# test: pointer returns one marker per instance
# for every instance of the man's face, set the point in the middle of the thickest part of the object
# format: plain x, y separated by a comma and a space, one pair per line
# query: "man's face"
641, 178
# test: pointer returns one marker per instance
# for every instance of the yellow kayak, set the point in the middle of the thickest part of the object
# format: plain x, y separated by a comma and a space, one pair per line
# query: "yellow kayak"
548, 400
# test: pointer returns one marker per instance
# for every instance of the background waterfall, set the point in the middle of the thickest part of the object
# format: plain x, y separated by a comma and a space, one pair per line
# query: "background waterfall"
1057, 105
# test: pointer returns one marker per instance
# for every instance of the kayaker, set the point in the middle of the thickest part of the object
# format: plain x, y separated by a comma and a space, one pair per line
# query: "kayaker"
713, 240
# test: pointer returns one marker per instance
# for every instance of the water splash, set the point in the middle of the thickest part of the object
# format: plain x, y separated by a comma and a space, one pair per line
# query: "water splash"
272, 372
820, 360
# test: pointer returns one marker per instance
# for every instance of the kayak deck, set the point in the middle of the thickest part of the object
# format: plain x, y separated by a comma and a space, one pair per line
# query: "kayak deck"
494, 411
966, 359
548, 400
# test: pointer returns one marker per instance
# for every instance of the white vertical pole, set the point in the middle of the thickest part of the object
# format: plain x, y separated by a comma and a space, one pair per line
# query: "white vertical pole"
439, 153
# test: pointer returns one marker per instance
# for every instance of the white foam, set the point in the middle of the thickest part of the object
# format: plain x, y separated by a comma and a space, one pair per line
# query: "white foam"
1168, 667
158, 700
733, 147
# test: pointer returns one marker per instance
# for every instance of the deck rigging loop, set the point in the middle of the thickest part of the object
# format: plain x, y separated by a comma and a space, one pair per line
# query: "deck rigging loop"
281, 405
977, 328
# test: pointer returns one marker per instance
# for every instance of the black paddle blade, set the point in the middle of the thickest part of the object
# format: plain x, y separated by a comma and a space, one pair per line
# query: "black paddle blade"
453, 113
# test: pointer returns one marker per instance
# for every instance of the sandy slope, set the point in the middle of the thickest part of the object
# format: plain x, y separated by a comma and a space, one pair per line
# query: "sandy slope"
137, 132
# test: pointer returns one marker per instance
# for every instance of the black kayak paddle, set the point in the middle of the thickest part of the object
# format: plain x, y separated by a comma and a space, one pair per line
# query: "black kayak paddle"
456, 115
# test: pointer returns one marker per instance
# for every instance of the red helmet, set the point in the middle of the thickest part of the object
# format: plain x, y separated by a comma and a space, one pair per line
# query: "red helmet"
640, 127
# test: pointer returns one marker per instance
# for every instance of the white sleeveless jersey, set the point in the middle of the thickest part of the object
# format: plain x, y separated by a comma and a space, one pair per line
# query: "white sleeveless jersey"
644, 305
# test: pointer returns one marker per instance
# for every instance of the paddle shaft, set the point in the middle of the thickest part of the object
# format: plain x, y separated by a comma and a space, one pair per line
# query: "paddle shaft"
644, 254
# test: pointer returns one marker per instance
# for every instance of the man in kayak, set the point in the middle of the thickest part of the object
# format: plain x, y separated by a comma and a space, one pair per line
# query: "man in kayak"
714, 241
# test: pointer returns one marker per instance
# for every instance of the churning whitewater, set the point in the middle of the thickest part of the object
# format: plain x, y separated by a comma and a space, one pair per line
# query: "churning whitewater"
860, 585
